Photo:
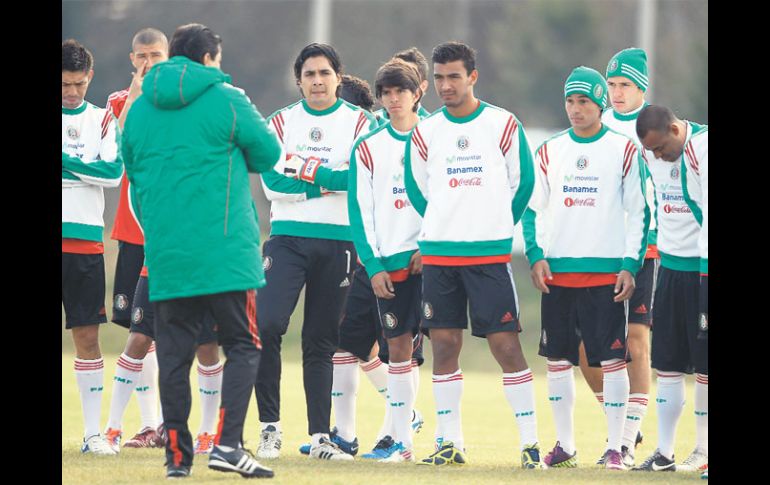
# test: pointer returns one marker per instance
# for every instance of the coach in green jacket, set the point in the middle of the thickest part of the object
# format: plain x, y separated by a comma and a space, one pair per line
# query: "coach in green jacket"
189, 142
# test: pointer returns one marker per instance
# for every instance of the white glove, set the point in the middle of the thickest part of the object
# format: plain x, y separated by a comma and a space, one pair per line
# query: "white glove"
293, 165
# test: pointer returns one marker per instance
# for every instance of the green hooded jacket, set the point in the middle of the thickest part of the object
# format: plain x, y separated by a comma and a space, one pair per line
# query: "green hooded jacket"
189, 142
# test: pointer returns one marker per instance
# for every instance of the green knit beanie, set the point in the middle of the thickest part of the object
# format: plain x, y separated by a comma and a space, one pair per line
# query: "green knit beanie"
587, 81
632, 64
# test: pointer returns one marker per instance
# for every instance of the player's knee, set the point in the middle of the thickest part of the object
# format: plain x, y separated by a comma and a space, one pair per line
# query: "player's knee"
86, 340
208, 353
137, 345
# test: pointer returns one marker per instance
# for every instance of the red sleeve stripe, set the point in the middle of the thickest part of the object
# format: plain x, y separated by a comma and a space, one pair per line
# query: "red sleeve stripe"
369, 157
278, 124
544, 162
506, 132
509, 142
106, 122
690, 152
360, 124
421, 147
366, 156
628, 157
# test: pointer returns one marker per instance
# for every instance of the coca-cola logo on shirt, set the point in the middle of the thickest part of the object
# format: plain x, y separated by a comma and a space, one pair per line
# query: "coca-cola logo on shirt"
401, 203
464, 182
573, 201
676, 209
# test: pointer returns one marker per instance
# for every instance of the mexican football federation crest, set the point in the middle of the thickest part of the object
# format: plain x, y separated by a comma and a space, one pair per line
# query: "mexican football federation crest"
703, 324
72, 132
582, 162
675, 173
137, 316
389, 321
316, 134
427, 310
613, 65
267, 263
598, 91
463, 142
121, 302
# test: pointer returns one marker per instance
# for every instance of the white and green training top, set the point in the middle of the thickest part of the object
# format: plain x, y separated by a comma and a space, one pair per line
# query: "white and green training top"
695, 181
588, 212
470, 178
316, 210
383, 222
90, 162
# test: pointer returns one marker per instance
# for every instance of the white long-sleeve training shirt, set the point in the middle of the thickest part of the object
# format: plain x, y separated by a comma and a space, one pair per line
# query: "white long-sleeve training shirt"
695, 180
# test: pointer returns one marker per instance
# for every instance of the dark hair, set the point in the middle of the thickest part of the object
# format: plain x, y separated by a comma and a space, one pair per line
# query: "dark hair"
194, 41
148, 36
455, 51
399, 74
75, 57
356, 91
314, 50
414, 56
654, 118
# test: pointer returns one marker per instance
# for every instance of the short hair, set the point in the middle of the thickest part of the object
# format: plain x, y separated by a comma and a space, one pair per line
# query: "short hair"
314, 50
414, 56
654, 118
455, 51
148, 36
194, 41
75, 57
400, 74
356, 91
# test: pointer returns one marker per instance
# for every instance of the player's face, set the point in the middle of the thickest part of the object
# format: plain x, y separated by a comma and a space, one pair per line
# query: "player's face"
74, 85
665, 146
149, 53
582, 112
453, 83
624, 94
319, 82
397, 101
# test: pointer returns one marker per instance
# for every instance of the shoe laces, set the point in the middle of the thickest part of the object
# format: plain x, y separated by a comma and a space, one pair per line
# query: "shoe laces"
385, 443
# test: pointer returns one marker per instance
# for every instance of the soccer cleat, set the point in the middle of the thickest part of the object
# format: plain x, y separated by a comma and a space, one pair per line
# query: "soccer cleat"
705, 474
530, 457
204, 443
113, 436
656, 463
305, 449
147, 437
446, 455
328, 450
349, 447
269, 443
697, 461
239, 460
613, 460
558, 458
417, 421
383, 449
637, 442
400, 455
627, 455
180, 471
97, 445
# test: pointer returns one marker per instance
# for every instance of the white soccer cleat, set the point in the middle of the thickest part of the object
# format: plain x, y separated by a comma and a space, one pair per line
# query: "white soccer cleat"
97, 445
269, 443
697, 461
400, 455
327, 450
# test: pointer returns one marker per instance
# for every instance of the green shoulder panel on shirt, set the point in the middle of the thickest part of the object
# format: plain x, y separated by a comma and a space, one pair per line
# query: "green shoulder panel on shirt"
287, 108
696, 212
527, 178
412, 190
532, 250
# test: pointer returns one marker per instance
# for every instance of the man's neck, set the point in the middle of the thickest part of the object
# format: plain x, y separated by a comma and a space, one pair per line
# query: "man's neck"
465, 109
588, 132
632, 110
321, 107
404, 123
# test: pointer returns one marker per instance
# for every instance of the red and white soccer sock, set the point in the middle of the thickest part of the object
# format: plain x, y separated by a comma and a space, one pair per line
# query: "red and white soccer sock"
702, 412
210, 389
447, 392
637, 408
616, 391
90, 378
377, 373
671, 389
127, 372
344, 392
147, 390
520, 392
401, 392
561, 394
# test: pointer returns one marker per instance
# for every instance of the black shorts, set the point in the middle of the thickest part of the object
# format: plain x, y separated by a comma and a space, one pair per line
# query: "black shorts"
143, 316
570, 315
82, 289
127, 269
641, 302
675, 343
447, 291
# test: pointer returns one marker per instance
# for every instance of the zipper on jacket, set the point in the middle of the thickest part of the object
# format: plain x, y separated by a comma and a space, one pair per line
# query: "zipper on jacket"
229, 167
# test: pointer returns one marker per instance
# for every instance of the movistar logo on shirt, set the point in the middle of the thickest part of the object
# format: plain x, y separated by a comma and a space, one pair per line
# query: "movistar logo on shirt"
591, 190
306, 148
580, 178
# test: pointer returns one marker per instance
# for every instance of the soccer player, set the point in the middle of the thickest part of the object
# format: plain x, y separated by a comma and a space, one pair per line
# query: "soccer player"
310, 243
138, 365
469, 174
90, 162
585, 232
385, 228
413, 56
356, 91
188, 150
627, 83
680, 339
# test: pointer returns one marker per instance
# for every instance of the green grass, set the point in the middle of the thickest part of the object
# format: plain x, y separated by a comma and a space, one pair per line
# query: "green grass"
491, 438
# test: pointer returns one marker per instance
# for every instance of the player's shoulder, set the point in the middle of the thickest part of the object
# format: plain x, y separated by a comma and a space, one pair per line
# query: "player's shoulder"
555, 139
497, 111
375, 135
616, 136
286, 110
432, 120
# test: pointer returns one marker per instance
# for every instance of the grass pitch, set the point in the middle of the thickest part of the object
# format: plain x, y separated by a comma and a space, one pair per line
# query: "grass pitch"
491, 438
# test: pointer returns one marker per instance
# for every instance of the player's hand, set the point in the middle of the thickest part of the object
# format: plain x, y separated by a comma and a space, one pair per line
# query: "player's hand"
135, 90
382, 285
541, 272
293, 165
624, 287
415, 263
